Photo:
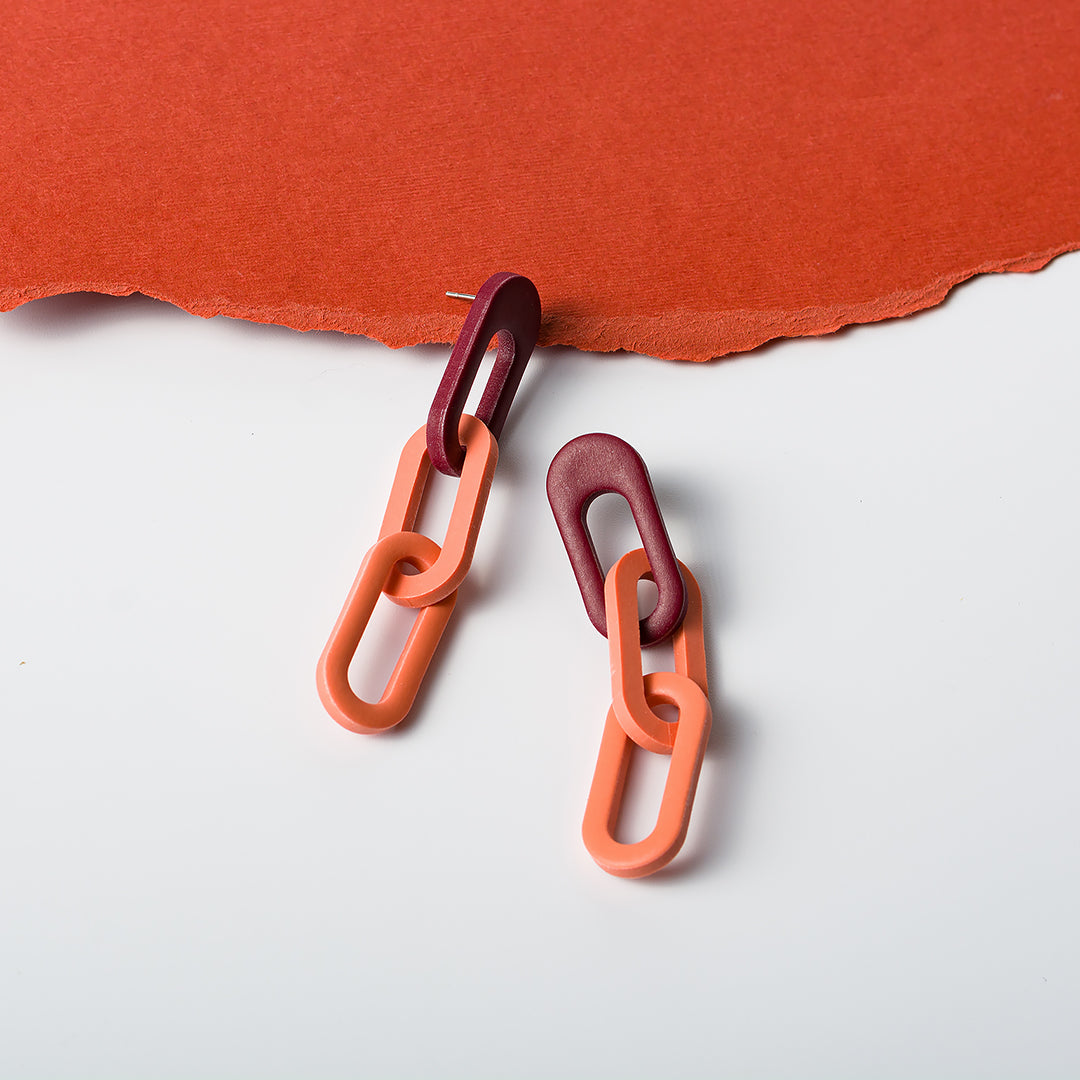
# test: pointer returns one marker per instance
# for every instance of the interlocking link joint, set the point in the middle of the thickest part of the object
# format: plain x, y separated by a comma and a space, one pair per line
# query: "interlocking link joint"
455, 557
332, 675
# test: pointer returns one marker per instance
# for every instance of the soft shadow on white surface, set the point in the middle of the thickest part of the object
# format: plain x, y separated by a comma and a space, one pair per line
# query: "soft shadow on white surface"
205, 876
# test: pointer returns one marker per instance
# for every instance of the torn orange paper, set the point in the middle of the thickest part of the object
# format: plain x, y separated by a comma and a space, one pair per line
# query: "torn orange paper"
682, 178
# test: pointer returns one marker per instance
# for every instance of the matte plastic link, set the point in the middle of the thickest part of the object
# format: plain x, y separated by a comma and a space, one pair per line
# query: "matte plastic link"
454, 559
609, 780
507, 305
629, 689
332, 675
597, 464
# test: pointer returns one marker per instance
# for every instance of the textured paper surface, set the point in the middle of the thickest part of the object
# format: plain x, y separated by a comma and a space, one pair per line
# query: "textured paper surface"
679, 178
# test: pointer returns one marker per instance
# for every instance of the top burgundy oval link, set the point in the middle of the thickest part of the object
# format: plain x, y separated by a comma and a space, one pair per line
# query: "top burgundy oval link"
507, 305
594, 465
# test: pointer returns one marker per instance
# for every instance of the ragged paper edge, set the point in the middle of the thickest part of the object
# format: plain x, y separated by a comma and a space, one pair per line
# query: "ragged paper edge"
674, 334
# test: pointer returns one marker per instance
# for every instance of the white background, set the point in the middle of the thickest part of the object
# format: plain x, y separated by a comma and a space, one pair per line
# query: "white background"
204, 876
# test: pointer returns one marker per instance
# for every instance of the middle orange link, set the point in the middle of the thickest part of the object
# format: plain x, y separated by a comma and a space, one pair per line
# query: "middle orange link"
629, 689
449, 569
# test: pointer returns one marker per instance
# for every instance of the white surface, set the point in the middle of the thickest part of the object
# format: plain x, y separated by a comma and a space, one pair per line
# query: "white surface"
203, 876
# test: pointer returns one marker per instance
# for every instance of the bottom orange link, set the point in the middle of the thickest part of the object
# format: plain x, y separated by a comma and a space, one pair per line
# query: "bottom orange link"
613, 762
332, 675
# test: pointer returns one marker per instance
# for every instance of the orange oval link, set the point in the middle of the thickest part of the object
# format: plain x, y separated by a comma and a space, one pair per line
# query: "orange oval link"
453, 562
628, 689
332, 675
613, 762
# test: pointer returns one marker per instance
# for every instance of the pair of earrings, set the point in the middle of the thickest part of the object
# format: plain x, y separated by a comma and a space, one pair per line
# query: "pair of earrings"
507, 307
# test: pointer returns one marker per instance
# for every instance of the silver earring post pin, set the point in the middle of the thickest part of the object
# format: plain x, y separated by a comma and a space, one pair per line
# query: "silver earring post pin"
461, 296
